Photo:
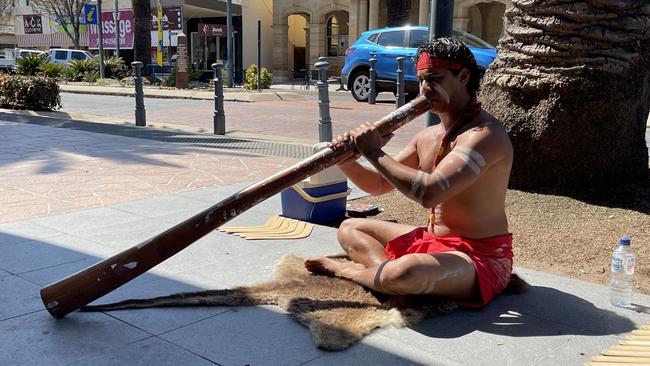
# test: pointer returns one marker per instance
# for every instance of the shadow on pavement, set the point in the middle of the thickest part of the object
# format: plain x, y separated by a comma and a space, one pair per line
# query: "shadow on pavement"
187, 335
542, 311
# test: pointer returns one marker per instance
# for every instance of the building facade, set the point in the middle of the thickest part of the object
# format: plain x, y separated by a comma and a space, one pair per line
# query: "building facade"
308, 29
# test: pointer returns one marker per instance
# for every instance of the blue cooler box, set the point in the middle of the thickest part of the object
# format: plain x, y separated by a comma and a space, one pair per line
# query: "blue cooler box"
315, 203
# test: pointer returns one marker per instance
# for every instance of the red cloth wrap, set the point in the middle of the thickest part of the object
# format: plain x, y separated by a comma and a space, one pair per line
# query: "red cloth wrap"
426, 61
492, 257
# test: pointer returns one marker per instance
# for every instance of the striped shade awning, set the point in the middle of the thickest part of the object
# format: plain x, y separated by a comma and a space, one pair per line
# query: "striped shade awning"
50, 40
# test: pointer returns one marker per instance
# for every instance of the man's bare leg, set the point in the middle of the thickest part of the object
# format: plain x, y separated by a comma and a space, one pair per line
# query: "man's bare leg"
364, 239
449, 274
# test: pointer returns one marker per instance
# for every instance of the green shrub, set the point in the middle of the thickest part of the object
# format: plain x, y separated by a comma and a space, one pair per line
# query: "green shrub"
171, 80
80, 67
266, 78
69, 74
30, 64
91, 76
29, 92
51, 70
113, 67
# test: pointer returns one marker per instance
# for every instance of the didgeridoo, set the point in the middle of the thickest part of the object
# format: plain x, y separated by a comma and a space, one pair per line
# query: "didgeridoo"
85, 286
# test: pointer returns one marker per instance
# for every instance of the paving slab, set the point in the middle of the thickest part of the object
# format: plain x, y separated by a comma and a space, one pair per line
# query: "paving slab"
38, 254
151, 351
267, 336
18, 297
38, 339
21, 231
559, 320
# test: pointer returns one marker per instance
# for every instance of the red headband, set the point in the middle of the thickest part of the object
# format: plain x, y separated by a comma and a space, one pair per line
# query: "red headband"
426, 61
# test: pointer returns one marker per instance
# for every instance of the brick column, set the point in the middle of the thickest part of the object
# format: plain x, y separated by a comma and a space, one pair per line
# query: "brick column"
363, 16
423, 18
280, 52
317, 34
373, 14
353, 22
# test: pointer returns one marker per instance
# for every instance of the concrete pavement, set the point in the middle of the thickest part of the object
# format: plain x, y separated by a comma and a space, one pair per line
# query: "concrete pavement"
73, 195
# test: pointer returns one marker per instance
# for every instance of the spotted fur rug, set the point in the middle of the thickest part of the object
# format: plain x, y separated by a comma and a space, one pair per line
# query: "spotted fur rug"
337, 312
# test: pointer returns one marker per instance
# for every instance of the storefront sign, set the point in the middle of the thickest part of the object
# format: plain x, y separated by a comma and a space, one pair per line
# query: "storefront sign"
172, 19
108, 26
212, 30
89, 14
33, 24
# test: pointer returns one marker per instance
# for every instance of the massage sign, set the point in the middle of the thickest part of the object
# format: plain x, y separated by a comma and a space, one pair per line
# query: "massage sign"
33, 24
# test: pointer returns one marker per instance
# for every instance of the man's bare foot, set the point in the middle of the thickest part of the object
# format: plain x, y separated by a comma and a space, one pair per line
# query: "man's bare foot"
330, 267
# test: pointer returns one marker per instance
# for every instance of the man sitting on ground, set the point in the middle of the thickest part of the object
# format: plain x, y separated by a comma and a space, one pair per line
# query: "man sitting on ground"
459, 169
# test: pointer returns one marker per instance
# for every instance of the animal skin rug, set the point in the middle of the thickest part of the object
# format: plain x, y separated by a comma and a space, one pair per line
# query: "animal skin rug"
337, 312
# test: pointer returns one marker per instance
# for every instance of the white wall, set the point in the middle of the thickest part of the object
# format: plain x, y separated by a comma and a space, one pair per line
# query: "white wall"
253, 10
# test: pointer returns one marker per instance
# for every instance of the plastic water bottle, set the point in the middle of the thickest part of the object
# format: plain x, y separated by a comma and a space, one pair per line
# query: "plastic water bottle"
623, 262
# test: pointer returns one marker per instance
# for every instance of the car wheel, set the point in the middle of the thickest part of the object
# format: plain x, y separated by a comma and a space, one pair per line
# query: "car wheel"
360, 87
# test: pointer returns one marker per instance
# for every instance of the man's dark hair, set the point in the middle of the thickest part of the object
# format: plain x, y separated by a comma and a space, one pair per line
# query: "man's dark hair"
454, 50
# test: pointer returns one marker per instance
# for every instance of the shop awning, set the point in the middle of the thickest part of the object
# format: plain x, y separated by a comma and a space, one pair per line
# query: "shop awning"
49, 40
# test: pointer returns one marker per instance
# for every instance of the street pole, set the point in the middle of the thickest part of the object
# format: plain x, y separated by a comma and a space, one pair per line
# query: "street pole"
440, 23
219, 116
234, 54
159, 47
229, 29
117, 31
140, 114
325, 121
259, 55
101, 39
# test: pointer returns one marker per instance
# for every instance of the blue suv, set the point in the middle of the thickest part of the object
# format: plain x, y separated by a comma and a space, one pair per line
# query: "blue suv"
390, 43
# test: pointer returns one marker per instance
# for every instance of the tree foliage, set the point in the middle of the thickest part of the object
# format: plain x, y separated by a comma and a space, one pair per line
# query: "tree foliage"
67, 13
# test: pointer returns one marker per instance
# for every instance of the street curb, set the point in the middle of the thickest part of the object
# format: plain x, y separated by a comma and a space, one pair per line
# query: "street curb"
78, 117
271, 95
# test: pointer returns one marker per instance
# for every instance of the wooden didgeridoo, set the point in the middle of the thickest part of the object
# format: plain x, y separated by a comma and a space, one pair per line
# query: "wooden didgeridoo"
85, 286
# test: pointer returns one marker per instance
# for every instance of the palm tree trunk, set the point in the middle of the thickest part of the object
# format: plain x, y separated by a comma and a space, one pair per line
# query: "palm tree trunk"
142, 40
572, 85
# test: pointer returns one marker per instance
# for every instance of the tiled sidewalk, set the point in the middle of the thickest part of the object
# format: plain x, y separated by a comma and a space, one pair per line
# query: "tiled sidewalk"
53, 170
70, 198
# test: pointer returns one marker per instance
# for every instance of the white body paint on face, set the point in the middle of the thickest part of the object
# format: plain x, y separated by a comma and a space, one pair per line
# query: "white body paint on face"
472, 158
438, 89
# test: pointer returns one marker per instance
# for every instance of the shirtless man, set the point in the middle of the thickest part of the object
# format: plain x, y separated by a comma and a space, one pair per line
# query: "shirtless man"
459, 169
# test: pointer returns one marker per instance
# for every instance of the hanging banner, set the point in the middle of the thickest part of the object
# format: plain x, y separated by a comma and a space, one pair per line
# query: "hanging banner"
33, 24
171, 19
108, 25
212, 30
159, 15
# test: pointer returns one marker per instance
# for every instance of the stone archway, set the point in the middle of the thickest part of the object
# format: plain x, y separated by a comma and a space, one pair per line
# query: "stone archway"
282, 69
319, 34
483, 18
298, 41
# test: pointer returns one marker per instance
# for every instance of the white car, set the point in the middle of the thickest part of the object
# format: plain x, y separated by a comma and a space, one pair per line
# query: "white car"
8, 60
63, 56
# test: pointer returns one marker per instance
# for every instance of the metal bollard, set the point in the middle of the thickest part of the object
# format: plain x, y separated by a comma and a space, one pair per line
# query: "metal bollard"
219, 117
140, 115
325, 121
373, 76
400, 99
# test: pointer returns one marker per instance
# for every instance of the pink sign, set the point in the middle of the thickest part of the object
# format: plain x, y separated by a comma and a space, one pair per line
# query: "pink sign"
108, 26
212, 30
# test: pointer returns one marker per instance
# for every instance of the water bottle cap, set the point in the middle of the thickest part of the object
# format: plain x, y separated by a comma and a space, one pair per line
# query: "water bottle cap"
624, 240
